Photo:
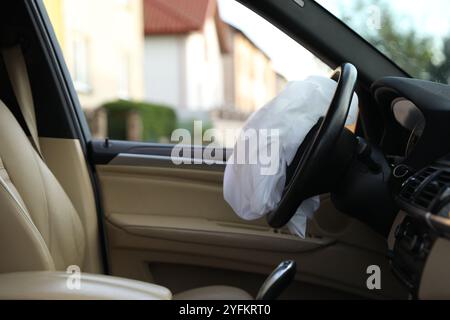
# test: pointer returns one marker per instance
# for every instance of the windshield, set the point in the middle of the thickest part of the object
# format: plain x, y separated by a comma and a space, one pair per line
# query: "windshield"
414, 34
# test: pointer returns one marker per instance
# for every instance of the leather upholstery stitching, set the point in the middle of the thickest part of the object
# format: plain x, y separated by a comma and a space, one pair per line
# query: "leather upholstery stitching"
24, 213
45, 201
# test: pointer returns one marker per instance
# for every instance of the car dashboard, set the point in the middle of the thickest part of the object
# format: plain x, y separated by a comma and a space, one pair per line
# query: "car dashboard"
417, 116
425, 198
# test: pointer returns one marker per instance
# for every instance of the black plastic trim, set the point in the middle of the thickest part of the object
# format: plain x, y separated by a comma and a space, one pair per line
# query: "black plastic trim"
433, 100
104, 151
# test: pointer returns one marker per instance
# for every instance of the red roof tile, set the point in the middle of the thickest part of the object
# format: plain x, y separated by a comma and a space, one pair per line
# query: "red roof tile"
176, 16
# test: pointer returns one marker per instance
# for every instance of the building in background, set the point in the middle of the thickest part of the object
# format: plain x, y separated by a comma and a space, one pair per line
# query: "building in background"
175, 53
183, 55
281, 83
250, 81
202, 66
103, 47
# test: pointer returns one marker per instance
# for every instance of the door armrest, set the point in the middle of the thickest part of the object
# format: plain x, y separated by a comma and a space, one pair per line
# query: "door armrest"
57, 286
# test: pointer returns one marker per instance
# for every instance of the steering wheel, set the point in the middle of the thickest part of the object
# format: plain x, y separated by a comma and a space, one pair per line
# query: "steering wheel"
310, 167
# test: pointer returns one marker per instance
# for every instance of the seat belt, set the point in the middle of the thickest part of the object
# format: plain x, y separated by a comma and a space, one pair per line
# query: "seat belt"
20, 82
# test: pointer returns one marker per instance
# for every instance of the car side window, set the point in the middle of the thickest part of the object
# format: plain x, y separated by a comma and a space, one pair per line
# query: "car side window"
143, 69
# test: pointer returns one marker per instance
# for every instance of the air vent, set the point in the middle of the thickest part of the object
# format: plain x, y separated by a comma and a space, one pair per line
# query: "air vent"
431, 189
412, 184
444, 178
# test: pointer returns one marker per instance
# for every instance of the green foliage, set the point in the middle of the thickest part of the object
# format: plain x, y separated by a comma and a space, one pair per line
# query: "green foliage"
189, 125
158, 121
441, 72
411, 51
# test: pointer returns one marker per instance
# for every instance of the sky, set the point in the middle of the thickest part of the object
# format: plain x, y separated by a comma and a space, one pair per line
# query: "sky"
430, 17
296, 63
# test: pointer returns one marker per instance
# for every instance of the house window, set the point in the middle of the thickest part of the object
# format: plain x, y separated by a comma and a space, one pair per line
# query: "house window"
123, 78
124, 3
80, 72
206, 48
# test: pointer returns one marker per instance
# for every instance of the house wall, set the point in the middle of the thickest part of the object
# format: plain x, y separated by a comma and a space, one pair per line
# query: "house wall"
112, 32
255, 78
185, 71
204, 90
229, 81
163, 70
55, 12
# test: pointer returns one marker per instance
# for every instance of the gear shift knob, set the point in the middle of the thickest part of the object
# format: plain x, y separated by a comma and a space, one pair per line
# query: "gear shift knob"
278, 281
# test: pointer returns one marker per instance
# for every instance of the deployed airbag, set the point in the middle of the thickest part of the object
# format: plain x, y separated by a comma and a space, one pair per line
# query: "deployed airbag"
255, 174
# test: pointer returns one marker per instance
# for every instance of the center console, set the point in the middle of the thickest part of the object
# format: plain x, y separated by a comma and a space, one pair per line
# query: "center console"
425, 197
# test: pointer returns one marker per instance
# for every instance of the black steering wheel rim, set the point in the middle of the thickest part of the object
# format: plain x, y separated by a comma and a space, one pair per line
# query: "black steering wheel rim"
320, 146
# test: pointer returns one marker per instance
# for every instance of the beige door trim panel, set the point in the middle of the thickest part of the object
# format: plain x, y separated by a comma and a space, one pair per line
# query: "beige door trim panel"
224, 234
178, 216
168, 192
338, 266
435, 283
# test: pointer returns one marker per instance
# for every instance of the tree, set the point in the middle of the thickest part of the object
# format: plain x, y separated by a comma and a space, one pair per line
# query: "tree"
413, 52
441, 72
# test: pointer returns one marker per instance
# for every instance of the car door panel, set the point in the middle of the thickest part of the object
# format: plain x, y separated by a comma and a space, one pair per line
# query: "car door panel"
167, 222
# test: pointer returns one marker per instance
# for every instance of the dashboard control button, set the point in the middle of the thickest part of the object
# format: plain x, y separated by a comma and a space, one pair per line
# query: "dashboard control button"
398, 231
413, 243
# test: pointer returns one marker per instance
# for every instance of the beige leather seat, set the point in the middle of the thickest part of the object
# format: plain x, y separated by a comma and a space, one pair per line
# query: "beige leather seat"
40, 230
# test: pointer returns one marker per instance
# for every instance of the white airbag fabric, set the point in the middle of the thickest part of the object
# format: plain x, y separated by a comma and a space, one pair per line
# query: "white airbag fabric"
248, 188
